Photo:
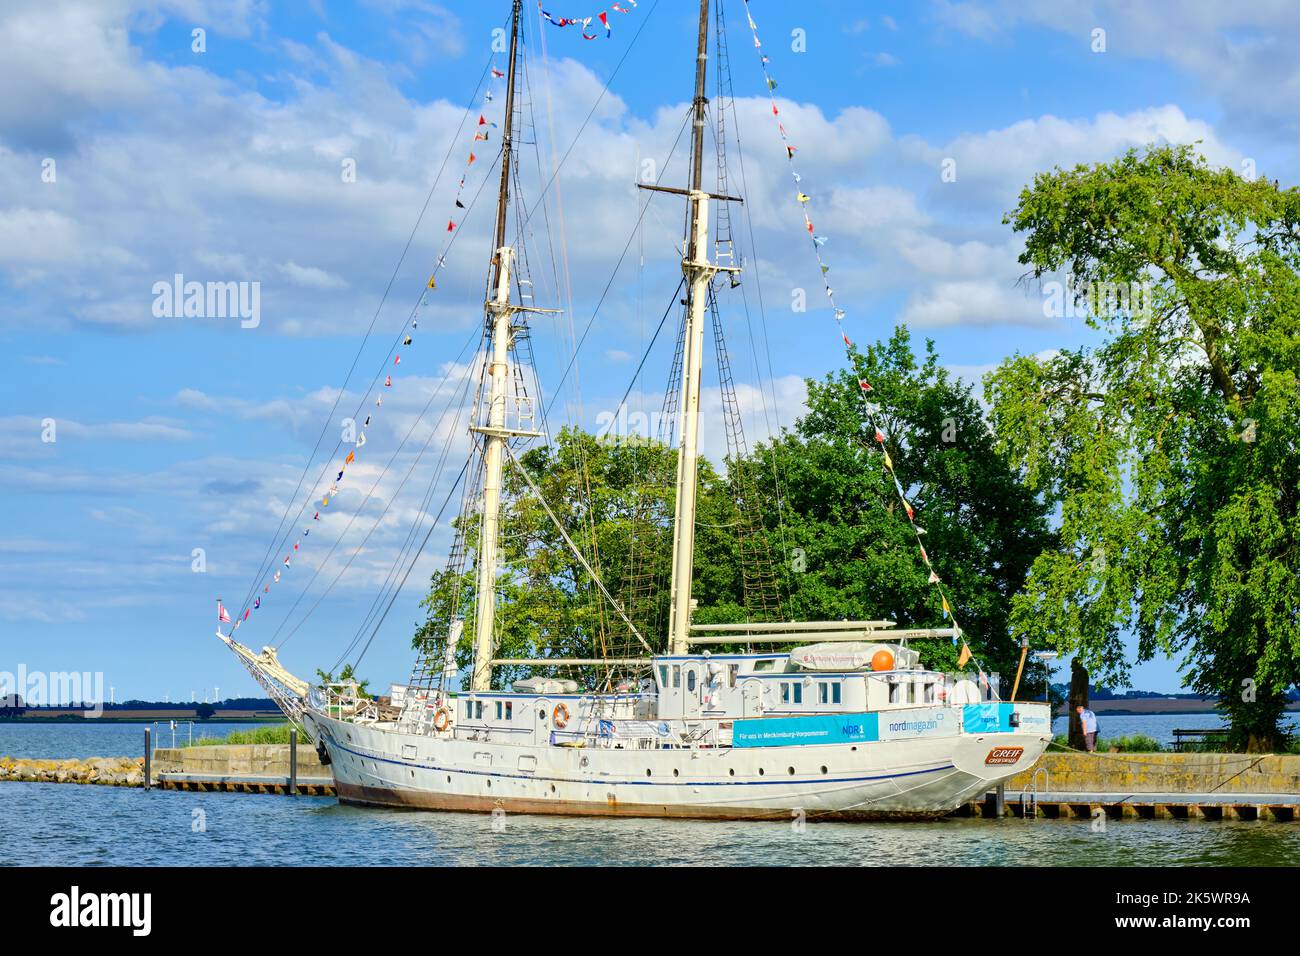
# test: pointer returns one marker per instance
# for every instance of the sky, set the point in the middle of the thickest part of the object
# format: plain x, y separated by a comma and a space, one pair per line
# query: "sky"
314, 149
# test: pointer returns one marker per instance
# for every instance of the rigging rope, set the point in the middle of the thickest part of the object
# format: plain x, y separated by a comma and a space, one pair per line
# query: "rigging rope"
276, 542
870, 411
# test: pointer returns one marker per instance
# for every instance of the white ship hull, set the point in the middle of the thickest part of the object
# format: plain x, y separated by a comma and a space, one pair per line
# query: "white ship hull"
378, 765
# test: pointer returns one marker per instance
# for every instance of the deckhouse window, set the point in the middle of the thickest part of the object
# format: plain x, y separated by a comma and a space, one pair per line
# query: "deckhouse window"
823, 693
835, 693
690, 680
798, 693
677, 676
785, 693
663, 675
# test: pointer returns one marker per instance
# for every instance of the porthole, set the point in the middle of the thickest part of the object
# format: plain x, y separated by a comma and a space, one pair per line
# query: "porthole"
552, 788
731, 772
824, 770
760, 771
647, 771
674, 771
489, 784
791, 771
449, 778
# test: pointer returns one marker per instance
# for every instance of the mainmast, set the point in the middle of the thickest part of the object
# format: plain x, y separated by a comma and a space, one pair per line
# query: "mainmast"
699, 272
499, 313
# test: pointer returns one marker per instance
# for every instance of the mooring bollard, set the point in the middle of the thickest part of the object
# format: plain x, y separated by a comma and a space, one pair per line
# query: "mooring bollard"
293, 761
148, 757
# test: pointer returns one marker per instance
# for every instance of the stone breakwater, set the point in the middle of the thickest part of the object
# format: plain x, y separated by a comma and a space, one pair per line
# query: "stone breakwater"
106, 771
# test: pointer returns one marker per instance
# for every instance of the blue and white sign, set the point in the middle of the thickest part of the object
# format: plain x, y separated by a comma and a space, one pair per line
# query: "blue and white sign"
800, 731
912, 724
990, 718
1034, 718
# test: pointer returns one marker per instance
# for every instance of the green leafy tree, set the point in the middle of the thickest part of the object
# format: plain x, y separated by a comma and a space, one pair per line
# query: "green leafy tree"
613, 499
1170, 445
843, 547
850, 551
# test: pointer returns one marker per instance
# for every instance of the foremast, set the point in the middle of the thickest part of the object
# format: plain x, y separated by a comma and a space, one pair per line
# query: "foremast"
499, 316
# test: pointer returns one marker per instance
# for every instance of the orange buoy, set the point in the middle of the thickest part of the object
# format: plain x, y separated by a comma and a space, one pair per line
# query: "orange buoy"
882, 660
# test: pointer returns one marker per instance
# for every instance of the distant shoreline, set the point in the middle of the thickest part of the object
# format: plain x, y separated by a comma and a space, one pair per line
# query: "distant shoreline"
164, 717
1157, 707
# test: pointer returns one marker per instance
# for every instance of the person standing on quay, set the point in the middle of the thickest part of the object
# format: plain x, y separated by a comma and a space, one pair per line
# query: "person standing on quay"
1089, 721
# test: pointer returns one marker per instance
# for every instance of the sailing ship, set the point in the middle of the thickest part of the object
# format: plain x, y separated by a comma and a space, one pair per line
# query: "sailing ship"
843, 723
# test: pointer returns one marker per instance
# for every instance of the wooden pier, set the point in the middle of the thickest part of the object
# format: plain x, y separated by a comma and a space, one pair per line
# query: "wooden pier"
1026, 804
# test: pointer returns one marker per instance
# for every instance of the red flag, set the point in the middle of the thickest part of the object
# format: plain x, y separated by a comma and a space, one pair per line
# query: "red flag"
880, 436
482, 120
223, 616
497, 73
451, 226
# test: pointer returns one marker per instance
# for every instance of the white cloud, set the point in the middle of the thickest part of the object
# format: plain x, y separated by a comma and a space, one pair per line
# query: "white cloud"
311, 277
977, 302
20, 428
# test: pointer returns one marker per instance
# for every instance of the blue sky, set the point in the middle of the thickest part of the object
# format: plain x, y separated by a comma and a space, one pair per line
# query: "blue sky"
176, 434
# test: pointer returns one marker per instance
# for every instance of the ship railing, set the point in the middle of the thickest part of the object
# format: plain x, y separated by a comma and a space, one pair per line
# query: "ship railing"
937, 688
346, 702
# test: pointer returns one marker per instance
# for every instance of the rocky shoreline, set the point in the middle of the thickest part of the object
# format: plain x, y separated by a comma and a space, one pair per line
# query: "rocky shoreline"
105, 771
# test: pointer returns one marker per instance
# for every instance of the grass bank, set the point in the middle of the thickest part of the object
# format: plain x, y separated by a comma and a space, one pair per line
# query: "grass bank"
275, 734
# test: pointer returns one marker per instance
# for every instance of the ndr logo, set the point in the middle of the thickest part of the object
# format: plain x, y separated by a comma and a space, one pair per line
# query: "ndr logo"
853, 730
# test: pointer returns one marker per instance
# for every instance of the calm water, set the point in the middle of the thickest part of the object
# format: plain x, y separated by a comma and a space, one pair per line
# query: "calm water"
94, 739
54, 824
